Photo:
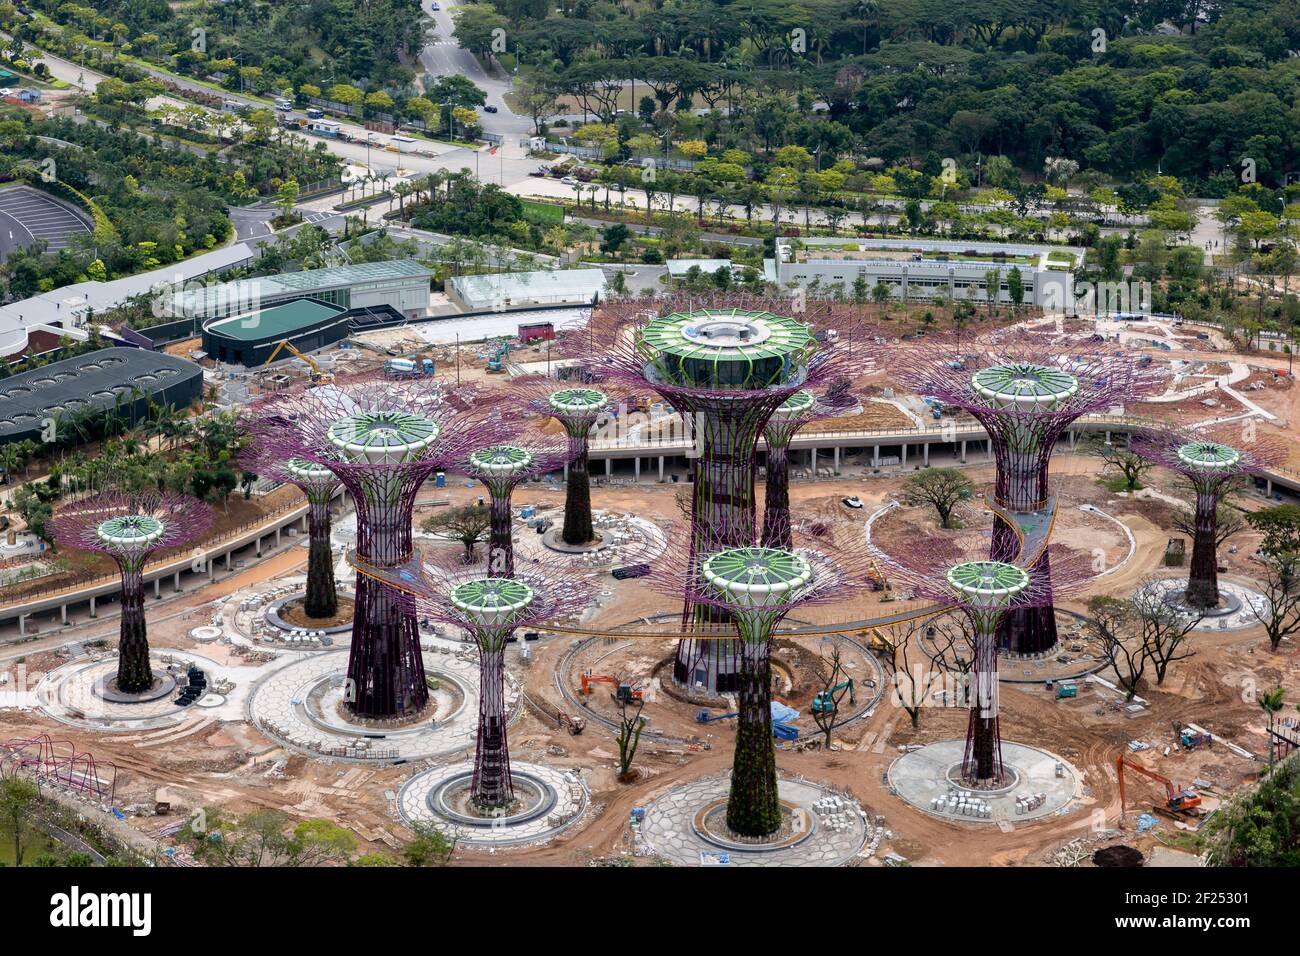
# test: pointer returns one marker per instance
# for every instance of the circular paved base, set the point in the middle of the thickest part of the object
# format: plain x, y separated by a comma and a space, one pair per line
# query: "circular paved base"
562, 798
273, 617
1236, 604
922, 778
553, 541
74, 694
711, 825
836, 830
297, 706
106, 687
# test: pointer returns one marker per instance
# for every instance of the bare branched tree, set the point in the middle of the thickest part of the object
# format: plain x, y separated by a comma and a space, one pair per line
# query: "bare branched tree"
1164, 630
630, 725
826, 705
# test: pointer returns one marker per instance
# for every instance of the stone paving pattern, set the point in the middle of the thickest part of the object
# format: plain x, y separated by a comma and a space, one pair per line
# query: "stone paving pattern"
571, 799
277, 707
668, 828
920, 776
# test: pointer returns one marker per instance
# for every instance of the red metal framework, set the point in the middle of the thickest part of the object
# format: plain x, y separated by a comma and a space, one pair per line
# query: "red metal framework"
58, 762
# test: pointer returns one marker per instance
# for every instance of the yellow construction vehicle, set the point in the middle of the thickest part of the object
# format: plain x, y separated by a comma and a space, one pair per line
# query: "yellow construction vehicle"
317, 374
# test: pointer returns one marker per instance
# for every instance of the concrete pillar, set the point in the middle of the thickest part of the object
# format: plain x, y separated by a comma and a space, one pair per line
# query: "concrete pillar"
304, 528
1268, 487
157, 588
1108, 436
277, 537
258, 549
836, 451
963, 450
661, 467
566, 471
227, 560
63, 613
636, 467
22, 625
903, 457
875, 456
176, 582
92, 608
925, 454
812, 461
609, 467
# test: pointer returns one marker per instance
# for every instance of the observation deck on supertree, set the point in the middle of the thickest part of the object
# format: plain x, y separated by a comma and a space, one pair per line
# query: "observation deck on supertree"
1211, 462
382, 440
129, 529
1026, 389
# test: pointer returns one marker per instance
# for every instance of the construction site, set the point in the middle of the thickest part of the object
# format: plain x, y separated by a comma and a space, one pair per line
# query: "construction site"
735, 586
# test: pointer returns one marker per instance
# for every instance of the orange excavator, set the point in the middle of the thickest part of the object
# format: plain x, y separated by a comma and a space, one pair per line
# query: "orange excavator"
624, 693
1180, 802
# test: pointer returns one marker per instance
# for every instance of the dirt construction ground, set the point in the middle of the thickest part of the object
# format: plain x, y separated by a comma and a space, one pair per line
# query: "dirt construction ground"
233, 766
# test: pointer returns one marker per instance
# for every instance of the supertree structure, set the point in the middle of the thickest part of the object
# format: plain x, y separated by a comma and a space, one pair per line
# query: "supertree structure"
725, 370
501, 468
1025, 390
1211, 465
757, 587
318, 484
786, 420
382, 440
984, 591
130, 528
489, 609
577, 408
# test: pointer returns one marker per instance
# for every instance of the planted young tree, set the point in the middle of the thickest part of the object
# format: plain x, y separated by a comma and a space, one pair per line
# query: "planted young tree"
467, 525
1280, 583
1130, 465
630, 725
19, 800
943, 488
1164, 630
826, 705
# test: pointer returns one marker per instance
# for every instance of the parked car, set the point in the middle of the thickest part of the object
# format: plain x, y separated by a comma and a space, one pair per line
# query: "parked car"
853, 501
569, 181
489, 109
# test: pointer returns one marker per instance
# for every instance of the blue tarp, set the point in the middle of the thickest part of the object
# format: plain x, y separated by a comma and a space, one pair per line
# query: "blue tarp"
781, 714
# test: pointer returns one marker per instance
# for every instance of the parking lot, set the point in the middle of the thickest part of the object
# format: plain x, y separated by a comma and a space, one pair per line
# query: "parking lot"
27, 215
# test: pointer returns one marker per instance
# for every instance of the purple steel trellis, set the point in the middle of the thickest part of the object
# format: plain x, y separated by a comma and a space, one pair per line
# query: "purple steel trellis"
318, 484
502, 467
727, 419
1034, 387
936, 570
382, 439
490, 609
130, 528
74, 770
800, 409
1211, 461
577, 406
753, 807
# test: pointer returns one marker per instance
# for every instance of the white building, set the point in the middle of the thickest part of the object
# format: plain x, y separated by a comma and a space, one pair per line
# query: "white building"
513, 290
922, 270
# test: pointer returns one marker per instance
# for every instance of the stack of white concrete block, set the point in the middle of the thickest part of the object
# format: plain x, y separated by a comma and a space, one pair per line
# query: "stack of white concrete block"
1027, 803
835, 813
962, 803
